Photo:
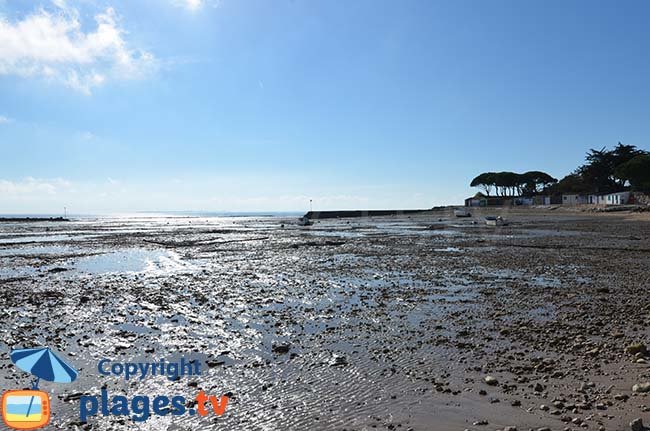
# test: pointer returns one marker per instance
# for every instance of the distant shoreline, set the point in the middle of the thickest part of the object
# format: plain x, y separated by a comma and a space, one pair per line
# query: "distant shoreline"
31, 219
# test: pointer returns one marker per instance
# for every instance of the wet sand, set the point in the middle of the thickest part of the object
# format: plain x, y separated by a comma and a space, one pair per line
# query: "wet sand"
349, 324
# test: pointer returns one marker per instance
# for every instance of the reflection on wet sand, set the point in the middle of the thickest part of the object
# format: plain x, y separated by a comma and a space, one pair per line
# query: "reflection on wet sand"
382, 323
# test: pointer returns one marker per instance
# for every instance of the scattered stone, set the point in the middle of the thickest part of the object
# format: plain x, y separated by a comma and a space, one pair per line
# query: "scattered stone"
214, 363
637, 425
73, 397
338, 361
641, 387
635, 348
281, 348
492, 381
57, 269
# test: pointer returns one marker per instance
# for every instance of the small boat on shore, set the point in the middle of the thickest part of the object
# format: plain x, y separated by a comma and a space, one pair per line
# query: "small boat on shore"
495, 221
462, 212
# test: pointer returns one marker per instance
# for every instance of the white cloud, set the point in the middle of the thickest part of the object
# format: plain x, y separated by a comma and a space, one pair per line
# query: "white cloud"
54, 46
231, 192
33, 186
5, 120
194, 5
86, 136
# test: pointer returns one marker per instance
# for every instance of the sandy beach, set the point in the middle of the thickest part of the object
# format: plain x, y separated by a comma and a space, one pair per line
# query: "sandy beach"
421, 322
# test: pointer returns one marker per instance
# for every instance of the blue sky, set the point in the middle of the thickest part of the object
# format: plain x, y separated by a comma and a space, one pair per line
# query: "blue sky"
109, 106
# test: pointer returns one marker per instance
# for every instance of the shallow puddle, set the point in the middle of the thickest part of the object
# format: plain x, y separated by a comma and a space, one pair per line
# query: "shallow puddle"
132, 261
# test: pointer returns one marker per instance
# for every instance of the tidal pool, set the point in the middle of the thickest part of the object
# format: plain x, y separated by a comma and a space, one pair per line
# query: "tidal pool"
132, 261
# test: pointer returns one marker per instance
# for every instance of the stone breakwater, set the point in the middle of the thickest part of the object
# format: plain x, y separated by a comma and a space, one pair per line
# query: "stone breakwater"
316, 215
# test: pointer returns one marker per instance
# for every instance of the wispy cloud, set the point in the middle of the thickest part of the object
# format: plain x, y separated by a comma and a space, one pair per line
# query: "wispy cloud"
86, 136
31, 186
5, 120
54, 45
194, 5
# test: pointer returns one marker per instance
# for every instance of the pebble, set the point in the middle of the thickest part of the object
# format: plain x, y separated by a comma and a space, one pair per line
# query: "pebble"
338, 361
492, 381
635, 348
637, 425
281, 348
641, 387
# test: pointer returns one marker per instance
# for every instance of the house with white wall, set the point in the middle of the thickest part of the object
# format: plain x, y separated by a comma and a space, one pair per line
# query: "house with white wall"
573, 199
615, 198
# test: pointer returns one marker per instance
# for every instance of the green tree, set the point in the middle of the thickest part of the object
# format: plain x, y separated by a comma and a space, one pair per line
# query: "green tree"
622, 154
507, 182
636, 171
572, 183
599, 173
485, 180
536, 182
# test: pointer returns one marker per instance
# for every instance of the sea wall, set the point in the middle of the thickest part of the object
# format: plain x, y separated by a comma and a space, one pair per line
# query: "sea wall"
31, 219
315, 215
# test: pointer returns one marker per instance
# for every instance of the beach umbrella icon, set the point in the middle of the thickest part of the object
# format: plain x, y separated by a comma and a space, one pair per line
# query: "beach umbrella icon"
44, 364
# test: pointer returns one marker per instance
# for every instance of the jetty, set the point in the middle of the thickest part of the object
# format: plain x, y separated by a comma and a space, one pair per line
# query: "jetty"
317, 215
31, 219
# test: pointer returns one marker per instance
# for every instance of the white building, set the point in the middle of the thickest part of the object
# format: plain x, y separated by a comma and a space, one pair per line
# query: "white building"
573, 199
618, 198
